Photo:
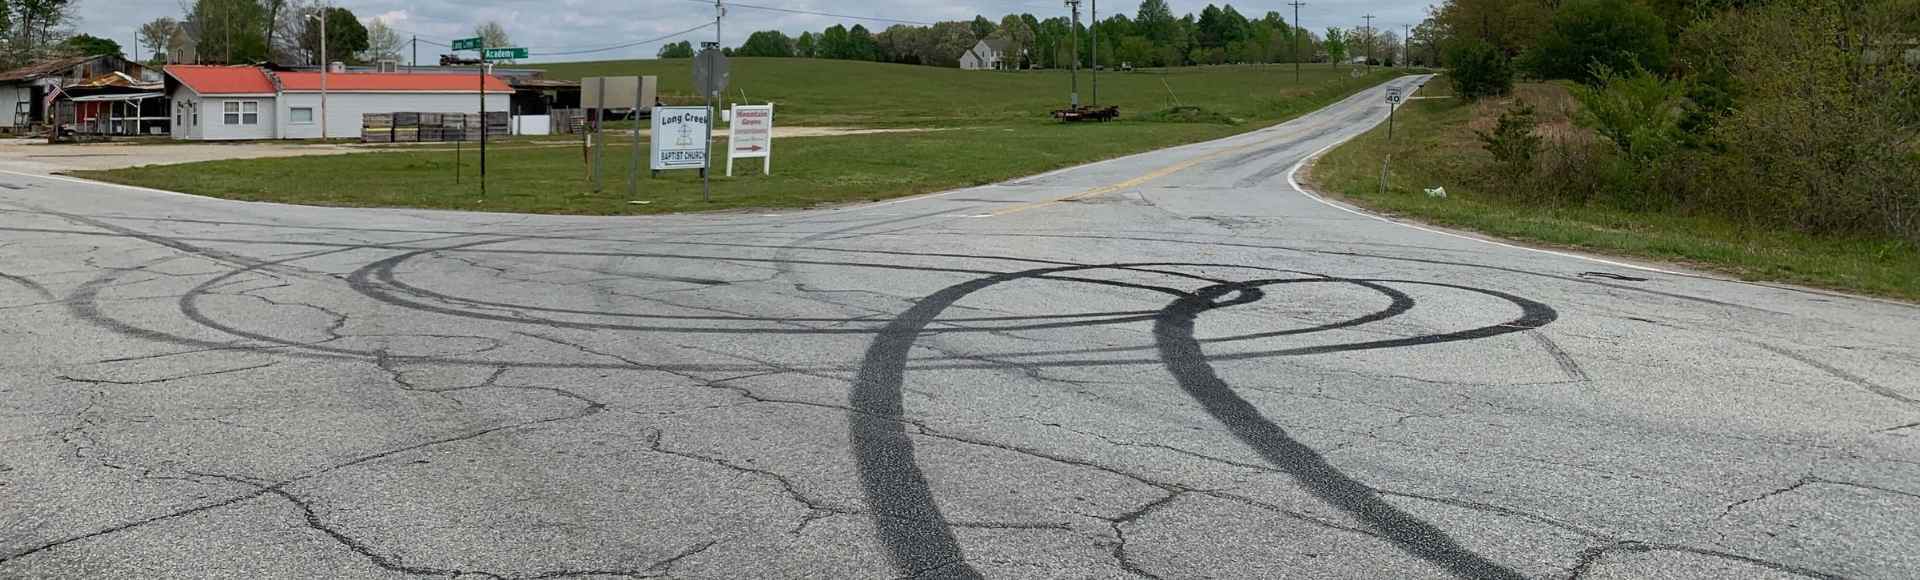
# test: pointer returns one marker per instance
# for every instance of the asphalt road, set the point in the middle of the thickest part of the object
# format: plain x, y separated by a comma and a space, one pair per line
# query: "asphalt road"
1174, 365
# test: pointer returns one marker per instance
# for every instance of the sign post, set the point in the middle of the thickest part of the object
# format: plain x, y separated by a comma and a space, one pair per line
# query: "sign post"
710, 77
1393, 105
751, 135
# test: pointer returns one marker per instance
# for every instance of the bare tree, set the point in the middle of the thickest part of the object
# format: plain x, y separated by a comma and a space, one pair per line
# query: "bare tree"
290, 27
38, 25
382, 42
157, 37
492, 34
273, 8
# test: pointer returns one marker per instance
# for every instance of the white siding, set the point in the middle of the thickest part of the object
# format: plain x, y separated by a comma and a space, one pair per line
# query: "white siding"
213, 123
10, 99
344, 111
185, 102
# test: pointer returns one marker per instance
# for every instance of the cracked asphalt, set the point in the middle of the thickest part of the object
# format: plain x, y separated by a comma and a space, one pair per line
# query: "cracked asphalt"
1174, 365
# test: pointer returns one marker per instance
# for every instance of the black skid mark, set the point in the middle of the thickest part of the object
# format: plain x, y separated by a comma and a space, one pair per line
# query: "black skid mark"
1189, 366
919, 538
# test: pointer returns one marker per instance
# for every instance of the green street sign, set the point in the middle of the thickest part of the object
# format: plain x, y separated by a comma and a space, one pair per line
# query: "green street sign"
504, 54
467, 44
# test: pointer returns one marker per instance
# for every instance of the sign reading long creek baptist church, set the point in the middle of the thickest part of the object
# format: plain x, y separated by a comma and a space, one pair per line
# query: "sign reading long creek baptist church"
680, 137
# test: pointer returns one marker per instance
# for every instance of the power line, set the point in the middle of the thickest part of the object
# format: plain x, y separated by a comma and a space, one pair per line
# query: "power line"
815, 13
626, 45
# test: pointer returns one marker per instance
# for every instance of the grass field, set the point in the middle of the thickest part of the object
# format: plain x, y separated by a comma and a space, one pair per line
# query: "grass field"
1435, 146
986, 127
865, 94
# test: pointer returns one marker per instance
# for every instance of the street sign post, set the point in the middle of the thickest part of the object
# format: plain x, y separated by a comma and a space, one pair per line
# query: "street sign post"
680, 138
467, 44
503, 54
751, 135
1393, 105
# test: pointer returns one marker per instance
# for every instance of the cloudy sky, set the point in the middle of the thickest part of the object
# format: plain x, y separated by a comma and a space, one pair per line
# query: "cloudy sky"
552, 26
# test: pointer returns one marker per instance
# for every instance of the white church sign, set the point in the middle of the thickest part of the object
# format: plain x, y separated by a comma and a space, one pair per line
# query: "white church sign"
680, 137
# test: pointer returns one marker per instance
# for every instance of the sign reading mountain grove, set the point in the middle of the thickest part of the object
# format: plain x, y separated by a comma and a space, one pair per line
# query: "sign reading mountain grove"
680, 137
751, 135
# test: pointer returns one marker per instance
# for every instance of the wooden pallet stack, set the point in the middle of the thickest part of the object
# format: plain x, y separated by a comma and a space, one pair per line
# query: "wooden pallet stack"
499, 124
376, 128
406, 127
432, 127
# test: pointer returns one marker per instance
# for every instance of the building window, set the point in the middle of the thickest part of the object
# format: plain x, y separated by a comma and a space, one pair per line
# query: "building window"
242, 112
300, 116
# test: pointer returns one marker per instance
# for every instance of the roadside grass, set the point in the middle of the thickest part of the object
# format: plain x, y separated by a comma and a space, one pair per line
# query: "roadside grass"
1435, 147
987, 136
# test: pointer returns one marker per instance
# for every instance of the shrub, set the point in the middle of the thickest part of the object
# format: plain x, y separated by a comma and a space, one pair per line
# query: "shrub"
1480, 70
1513, 142
1638, 111
1616, 34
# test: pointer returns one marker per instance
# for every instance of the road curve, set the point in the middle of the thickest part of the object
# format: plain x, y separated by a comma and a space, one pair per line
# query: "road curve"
1172, 365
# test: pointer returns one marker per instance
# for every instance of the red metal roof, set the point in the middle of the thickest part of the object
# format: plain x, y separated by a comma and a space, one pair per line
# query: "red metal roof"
394, 82
222, 80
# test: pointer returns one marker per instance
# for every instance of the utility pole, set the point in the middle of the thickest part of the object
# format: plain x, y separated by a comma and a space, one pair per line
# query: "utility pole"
324, 68
1073, 27
1297, 30
1093, 27
1370, 37
483, 115
1406, 45
706, 173
416, 54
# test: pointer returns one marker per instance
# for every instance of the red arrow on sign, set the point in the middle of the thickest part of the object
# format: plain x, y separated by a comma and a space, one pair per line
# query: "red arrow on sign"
751, 148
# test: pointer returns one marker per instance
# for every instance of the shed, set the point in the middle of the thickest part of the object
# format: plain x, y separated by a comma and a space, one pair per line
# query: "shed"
112, 104
26, 92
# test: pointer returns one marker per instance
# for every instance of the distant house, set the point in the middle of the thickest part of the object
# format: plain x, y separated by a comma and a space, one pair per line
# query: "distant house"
25, 92
990, 54
246, 102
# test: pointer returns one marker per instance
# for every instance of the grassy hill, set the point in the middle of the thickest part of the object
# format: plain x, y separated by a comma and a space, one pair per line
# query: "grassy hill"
992, 126
853, 93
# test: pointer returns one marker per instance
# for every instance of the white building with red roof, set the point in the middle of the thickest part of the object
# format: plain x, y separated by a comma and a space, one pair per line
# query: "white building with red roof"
218, 103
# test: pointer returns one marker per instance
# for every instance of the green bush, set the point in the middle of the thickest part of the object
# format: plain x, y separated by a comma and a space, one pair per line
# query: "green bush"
1513, 142
1616, 34
1479, 70
1638, 111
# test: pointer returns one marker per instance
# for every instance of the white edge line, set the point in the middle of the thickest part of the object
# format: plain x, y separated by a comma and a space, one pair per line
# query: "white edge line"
1294, 181
111, 184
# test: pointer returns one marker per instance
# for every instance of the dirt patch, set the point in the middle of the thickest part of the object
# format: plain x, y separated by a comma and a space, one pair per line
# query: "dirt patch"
36, 156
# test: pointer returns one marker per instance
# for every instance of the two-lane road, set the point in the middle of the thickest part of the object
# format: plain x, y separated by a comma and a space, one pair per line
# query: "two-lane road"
1175, 365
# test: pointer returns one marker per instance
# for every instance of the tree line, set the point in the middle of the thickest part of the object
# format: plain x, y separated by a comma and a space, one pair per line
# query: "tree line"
1779, 114
36, 30
1151, 36
277, 31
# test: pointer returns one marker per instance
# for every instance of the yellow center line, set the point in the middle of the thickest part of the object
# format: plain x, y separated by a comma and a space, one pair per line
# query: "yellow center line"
1131, 183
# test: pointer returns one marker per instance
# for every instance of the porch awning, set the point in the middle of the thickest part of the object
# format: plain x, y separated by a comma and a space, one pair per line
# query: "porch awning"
117, 98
